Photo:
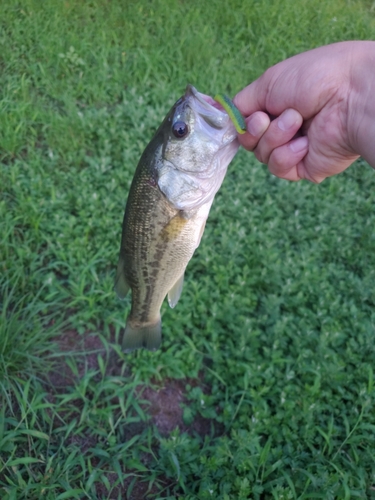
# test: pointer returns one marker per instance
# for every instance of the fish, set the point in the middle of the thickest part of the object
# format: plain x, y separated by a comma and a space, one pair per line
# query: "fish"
170, 197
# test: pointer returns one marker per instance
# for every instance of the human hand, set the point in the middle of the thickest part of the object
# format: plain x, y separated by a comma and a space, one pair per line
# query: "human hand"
317, 104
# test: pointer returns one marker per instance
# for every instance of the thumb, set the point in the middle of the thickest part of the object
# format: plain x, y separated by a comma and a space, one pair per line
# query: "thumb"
252, 98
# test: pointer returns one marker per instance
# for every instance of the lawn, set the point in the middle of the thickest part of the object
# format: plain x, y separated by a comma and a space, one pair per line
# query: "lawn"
264, 384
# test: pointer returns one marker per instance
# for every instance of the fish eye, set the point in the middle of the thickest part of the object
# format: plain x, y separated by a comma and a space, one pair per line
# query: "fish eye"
180, 129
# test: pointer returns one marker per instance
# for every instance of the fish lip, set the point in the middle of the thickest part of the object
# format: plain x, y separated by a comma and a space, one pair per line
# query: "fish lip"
207, 101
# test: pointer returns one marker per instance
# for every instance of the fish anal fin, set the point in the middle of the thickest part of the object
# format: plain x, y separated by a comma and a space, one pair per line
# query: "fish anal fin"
137, 336
174, 293
121, 285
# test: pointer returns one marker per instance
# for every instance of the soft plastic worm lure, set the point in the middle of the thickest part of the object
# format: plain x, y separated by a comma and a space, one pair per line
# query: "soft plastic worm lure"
233, 112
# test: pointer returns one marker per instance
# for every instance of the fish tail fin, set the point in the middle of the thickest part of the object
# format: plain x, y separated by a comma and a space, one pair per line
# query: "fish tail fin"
148, 336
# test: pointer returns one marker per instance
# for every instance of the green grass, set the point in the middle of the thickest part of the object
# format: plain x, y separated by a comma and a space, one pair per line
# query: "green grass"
268, 359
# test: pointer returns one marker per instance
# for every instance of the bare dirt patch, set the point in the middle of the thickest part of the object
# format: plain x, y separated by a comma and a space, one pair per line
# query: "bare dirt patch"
86, 348
166, 408
162, 401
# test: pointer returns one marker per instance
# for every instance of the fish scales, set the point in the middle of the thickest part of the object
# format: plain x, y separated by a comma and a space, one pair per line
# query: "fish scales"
154, 244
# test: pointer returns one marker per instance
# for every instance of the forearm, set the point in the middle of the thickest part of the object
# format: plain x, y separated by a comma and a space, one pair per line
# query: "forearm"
361, 105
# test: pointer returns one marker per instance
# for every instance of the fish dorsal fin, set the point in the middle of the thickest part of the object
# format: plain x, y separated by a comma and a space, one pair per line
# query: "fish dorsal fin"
121, 285
174, 293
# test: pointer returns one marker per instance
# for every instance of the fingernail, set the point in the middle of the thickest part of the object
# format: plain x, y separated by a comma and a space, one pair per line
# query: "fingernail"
288, 119
299, 144
256, 126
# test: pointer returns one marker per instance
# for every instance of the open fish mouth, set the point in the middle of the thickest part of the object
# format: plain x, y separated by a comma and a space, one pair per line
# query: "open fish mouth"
207, 107
203, 98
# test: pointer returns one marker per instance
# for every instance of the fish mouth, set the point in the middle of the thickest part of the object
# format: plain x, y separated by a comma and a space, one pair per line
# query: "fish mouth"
208, 108
204, 99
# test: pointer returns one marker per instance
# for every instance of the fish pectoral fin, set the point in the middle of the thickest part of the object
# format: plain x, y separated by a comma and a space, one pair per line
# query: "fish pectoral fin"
146, 335
174, 293
121, 285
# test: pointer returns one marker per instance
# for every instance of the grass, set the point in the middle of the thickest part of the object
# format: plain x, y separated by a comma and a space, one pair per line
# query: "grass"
264, 385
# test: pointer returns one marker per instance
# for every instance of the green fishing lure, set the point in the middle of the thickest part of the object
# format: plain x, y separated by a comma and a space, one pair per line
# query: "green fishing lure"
233, 112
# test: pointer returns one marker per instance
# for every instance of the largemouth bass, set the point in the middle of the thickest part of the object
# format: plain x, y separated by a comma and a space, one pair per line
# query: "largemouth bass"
173, 188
